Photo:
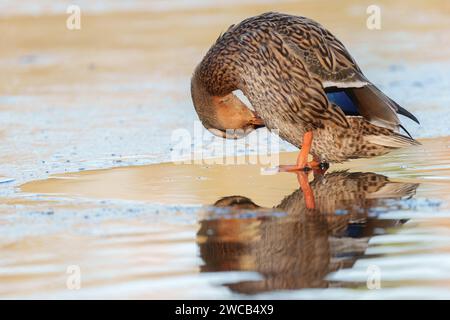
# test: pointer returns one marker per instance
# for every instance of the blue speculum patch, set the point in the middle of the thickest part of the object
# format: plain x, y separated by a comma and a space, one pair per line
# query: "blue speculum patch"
343, 100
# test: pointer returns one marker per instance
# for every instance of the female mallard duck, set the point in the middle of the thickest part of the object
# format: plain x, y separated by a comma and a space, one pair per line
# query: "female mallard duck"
301, 81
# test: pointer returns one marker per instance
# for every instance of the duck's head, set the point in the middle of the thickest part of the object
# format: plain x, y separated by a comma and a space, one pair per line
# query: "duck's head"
225, 116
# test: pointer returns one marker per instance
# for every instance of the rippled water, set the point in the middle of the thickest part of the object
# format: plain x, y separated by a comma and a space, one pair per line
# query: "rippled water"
74, 104
243, 237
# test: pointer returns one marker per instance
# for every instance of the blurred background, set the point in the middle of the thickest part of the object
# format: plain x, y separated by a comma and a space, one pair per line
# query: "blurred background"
119, 86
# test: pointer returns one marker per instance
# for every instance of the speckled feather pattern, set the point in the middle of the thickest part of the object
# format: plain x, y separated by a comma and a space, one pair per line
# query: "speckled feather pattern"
280, 63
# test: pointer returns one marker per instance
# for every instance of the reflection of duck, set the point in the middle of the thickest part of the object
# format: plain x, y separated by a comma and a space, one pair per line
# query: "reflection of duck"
301, 80
346, 191
298, 249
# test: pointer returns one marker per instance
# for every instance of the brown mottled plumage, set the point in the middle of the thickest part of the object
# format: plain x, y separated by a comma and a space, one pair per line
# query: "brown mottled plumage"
285, 65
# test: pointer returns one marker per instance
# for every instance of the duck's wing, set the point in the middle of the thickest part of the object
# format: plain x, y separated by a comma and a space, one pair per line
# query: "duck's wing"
326, 57
277, 81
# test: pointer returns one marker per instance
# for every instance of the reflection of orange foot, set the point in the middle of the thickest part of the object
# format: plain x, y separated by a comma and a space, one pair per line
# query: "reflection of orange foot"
302, 178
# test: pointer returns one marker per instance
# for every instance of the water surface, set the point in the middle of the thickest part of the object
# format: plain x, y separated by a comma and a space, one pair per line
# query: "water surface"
237, 233
86, 121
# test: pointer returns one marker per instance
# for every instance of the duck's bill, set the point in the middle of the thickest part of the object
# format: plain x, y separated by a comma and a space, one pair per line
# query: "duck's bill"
231, 133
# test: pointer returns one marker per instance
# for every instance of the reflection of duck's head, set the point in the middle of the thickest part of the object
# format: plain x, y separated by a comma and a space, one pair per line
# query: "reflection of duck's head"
299, 248
236, 202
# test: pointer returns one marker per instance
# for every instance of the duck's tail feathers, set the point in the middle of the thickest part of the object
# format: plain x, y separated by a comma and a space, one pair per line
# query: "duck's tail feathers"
404, 112
395, 140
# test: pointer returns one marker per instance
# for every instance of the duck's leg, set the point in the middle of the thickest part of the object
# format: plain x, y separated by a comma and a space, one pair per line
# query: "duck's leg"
302, 159
302, 178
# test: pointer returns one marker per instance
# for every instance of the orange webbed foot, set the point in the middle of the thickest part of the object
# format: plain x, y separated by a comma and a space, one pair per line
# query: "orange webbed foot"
311, 165
302, 160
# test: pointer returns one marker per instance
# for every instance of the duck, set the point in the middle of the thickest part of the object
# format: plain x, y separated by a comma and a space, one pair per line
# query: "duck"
302, 84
